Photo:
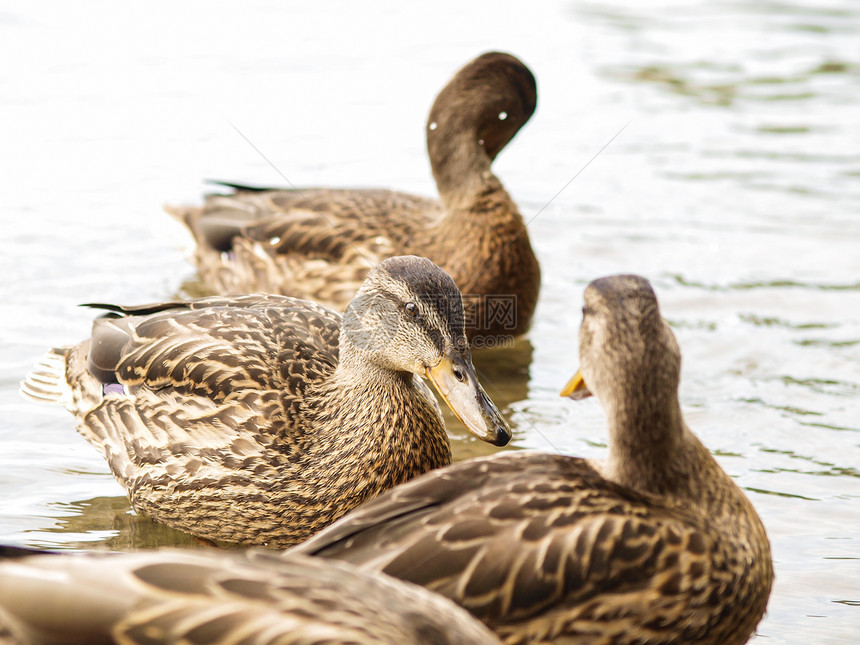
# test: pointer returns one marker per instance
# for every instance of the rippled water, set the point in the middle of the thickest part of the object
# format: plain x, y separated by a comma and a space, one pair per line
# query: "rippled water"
732, 182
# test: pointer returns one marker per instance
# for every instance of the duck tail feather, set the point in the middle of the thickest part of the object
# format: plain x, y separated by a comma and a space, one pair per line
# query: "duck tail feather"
46, 383
246, 188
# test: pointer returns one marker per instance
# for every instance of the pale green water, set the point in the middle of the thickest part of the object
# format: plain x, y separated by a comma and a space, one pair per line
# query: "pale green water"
734, 186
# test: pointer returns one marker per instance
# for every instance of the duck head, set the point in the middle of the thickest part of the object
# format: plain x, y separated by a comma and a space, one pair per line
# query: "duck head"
627, 351
475, 115
408, 317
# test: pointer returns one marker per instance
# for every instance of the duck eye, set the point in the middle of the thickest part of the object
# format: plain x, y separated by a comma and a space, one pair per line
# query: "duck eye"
411, 309
458, 374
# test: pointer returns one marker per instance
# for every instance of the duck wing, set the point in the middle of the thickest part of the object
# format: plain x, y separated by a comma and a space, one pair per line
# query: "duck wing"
216, 597
532, 543
218, 376
307, 221
201, 405
316, 243
217, 347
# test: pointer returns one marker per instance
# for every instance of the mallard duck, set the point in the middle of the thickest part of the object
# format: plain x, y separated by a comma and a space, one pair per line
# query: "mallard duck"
212, 598
320, 243
654, 545
260, 419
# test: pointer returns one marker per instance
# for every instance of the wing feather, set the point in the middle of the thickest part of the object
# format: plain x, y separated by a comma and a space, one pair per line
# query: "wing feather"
520, 536
220, 598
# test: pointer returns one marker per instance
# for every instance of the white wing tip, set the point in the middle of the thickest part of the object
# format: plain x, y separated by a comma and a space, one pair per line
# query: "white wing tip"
46, 383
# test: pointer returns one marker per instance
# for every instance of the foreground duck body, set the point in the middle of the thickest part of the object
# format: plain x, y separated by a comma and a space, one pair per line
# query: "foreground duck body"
320, 243
167, 596
654, 545
260, 419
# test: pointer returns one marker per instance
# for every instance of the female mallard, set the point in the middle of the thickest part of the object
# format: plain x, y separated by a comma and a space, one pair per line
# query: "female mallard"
319, 243
190, 597
656, 545
260, 419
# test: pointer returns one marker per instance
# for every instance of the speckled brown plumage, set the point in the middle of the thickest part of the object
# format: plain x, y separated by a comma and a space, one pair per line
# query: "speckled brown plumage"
657, 545
217, 598
320, 243
260, 419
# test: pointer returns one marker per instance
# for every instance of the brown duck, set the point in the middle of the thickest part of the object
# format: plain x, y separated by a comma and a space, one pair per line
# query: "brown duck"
260, 419
214, 598
320, 243
655, 545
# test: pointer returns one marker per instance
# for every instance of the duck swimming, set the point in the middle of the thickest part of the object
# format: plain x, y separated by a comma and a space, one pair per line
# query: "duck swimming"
216, 597
320, 243
655, 545
260, 419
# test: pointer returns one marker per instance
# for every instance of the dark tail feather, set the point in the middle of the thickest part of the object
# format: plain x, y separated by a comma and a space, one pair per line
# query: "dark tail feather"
242, 187
138, 310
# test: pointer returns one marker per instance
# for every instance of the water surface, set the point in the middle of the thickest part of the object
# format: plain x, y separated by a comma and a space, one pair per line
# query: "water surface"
732, 181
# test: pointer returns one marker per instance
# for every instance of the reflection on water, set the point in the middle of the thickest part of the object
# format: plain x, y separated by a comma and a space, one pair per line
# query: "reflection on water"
735, 85
109, 523
733, 187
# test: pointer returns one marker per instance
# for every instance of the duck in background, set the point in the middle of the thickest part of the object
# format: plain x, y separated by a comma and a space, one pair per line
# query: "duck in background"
320, 243
215, 597
655, 545
260, 419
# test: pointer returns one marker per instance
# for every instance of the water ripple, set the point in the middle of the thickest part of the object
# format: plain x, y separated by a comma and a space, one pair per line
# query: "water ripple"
765, 284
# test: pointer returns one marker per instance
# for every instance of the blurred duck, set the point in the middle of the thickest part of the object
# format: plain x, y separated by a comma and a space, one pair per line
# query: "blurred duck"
213, 598
260, 419
654, 545
320, 243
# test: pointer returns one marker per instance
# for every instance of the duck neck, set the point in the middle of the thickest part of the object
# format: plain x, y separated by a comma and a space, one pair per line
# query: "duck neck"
477, 208
482, 210
643, 444
651, 450
486, 249
461, 168
376, 422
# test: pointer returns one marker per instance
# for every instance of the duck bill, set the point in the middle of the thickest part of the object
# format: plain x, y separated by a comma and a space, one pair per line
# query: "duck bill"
468, 400
576, 388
